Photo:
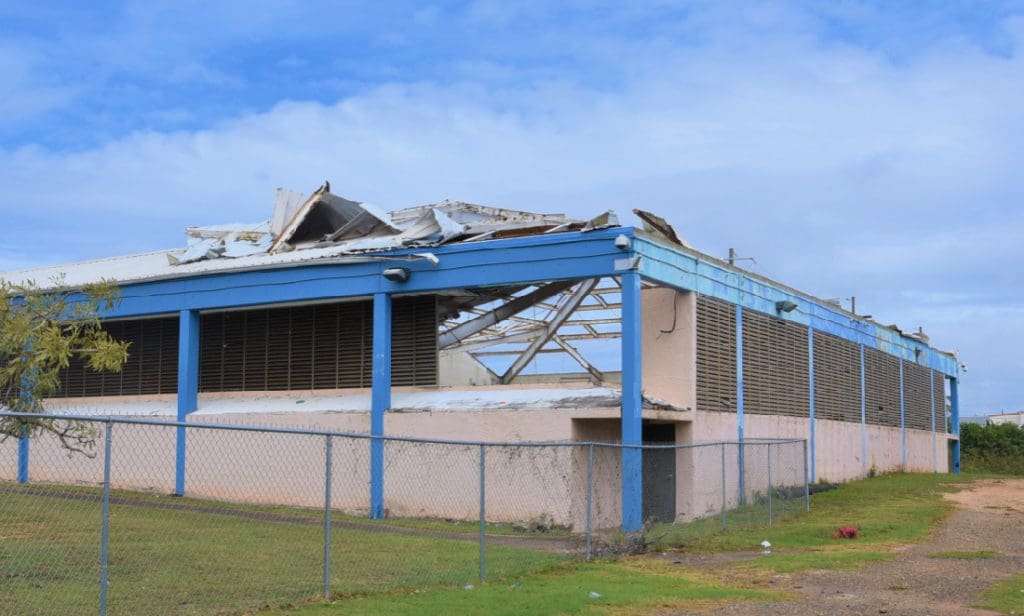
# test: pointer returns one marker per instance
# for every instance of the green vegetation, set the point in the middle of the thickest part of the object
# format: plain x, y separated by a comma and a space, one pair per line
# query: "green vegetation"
1006, 596
40, 331
967, 555
186, 556
640, 585
211, 558
886, 510
996, 448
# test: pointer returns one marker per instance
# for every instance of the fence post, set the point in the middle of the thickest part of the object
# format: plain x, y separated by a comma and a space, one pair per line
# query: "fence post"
725, 496
590, 495
483, 505
105, 529
769, 484
807, 482
328, 466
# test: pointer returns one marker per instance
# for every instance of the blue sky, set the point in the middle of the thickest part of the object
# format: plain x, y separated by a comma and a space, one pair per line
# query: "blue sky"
853, 148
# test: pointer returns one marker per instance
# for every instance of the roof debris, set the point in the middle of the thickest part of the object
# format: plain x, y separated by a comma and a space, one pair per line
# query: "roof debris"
324, 219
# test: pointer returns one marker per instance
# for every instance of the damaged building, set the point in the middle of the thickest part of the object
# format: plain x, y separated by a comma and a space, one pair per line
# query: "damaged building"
466, 322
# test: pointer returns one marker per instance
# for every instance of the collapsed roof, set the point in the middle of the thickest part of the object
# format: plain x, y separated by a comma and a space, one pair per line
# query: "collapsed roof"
324, 219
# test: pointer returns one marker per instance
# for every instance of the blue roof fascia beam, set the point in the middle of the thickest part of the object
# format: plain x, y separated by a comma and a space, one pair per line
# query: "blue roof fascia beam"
678, 267
562, 256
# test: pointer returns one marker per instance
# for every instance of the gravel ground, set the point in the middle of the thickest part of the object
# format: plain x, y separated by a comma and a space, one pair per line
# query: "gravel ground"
989, 516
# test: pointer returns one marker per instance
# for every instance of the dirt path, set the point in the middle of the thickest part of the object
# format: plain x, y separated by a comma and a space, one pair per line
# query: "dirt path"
989, 516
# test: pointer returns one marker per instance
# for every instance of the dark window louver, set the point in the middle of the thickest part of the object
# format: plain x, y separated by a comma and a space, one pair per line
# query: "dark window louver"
882, 388
836, 378
152, 366
324, 346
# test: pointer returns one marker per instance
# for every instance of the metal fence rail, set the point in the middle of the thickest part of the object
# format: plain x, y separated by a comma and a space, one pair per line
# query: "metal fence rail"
272, 516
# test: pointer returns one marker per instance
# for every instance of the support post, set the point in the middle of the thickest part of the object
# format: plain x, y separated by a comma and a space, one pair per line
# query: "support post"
483, 512
809, 456
328, 476
903, 421
188, 387
590, 497
740, 420
632, 404
380, 399
23, 456
105, 523
725, 498
863, 417
769, 448
935, 451
954, 420
807, 483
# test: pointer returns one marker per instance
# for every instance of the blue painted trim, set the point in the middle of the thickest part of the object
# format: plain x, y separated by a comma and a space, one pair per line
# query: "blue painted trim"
560, 256
380, 398
188, 387
863, 416
954, 420
23, 457
903, 421
810, 366
632, 407
687, 269
740, 419
931, 391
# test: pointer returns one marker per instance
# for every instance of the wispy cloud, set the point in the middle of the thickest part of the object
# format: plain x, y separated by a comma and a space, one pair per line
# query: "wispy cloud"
856, 149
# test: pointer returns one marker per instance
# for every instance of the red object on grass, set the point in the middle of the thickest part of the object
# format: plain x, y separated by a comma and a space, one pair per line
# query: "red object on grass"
845, 532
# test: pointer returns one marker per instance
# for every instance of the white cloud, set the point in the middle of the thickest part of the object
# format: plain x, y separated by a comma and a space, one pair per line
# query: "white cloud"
842, 171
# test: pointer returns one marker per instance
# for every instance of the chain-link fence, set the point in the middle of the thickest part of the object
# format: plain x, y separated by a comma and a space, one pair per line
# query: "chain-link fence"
166, 518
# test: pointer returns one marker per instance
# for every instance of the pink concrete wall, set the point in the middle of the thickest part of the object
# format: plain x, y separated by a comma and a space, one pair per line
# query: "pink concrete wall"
670, 346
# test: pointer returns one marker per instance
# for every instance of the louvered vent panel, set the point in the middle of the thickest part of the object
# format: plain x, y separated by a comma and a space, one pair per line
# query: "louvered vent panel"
775, 372
355, 344
301, 352
324, 346
151, 368
836, 378
882, 388
716, 355
414, 341
917, 396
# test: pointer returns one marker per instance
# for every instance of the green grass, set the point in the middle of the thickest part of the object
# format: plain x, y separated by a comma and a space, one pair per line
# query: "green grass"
639, 586
887, 510
177, 561
818, 559
1006, 596
969, 555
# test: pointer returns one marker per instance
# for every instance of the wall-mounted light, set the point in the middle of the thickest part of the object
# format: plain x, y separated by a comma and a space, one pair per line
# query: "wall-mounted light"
396, 274
785, 306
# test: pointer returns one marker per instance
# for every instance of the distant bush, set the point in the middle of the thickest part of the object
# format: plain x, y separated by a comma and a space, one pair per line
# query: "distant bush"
995, 448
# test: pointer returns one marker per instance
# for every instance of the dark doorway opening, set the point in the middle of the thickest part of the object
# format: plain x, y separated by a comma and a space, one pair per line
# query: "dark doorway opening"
659, 469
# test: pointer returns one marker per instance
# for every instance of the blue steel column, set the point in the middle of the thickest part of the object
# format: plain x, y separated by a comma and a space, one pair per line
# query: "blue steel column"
23, 456
380, 399
741, 482
931, 390
810, 367
632, 422
863, 417
903, 421
188, 386
954, 420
